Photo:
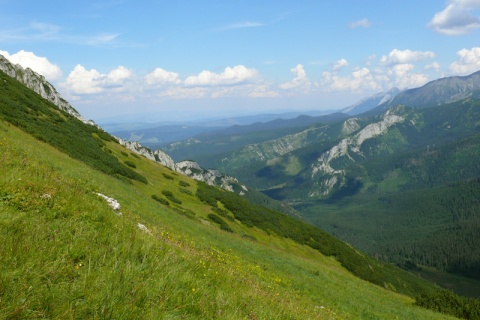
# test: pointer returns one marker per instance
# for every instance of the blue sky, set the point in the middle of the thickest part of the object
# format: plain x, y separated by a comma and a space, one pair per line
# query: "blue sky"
170, 60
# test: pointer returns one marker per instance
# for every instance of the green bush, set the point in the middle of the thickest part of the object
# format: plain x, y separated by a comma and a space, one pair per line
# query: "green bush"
223, 225
161, 200
167, 176
447, 302
186, 191
184, 184
171, 197
130, 164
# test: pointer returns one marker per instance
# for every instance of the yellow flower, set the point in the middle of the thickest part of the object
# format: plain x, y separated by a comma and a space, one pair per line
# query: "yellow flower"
193, 289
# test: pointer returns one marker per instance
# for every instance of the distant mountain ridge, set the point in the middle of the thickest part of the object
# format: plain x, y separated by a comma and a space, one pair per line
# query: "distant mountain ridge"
412, 151
371, 102
438, 92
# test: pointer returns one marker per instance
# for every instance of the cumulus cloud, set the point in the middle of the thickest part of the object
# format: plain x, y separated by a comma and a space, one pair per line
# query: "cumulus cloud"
40, 65
237, 81
359, 79
457, 18
469, 62
299, 82
340, 64
82, 81
118, 76
406, 56
433, 66
401, 76
230, 76
397, 69
364, 23
161, 76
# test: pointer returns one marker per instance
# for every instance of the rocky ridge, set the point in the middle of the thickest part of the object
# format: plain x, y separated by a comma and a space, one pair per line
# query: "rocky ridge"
438, 92
272, 149
40, 85
348, 148
371, 102
188, 168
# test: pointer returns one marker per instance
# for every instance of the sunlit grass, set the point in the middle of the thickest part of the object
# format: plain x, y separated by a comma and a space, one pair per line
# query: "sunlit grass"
68, 255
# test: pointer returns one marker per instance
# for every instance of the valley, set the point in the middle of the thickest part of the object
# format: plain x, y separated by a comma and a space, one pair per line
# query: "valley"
399, 182
172, 246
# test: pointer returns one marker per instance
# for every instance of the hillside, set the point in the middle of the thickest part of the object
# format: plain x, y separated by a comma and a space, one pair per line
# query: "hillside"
170, 247
380, 180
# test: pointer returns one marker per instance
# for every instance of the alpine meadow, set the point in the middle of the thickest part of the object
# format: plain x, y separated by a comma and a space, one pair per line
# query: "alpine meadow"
169, 246
256, 160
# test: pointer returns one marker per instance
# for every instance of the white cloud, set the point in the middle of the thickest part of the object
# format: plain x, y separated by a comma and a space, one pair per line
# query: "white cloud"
237, 81
469, 62
95, 40
364, 23
40, 65
299, 82
82, 81
177, 92
401, 76
46, 31
393, 70
119, 76
161, 76
230, 76
360, 79
262, 91
342, 63
433, 66
406, 56
245, 24
457, 18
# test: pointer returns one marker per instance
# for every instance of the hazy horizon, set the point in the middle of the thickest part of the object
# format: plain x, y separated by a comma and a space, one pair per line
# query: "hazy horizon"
192, 59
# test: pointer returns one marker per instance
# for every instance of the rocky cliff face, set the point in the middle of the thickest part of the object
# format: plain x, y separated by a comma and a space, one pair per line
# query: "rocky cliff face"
348, 149
188, 168
37, 83
157, 155
211, 177
272, 149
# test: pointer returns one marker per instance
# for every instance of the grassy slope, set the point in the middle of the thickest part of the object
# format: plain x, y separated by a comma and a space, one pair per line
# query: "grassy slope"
71, 256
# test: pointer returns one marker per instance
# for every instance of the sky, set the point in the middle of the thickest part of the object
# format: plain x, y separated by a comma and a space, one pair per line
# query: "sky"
171, 60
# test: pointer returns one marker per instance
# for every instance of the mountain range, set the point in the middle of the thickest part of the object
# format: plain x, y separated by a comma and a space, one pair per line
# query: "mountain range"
93, 229
365, 178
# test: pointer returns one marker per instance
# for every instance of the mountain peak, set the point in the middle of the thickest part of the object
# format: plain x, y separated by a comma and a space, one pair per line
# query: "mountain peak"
371, 102
40, 85
439, 92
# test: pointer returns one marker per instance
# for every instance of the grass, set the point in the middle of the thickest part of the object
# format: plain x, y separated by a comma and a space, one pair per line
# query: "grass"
70, 256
